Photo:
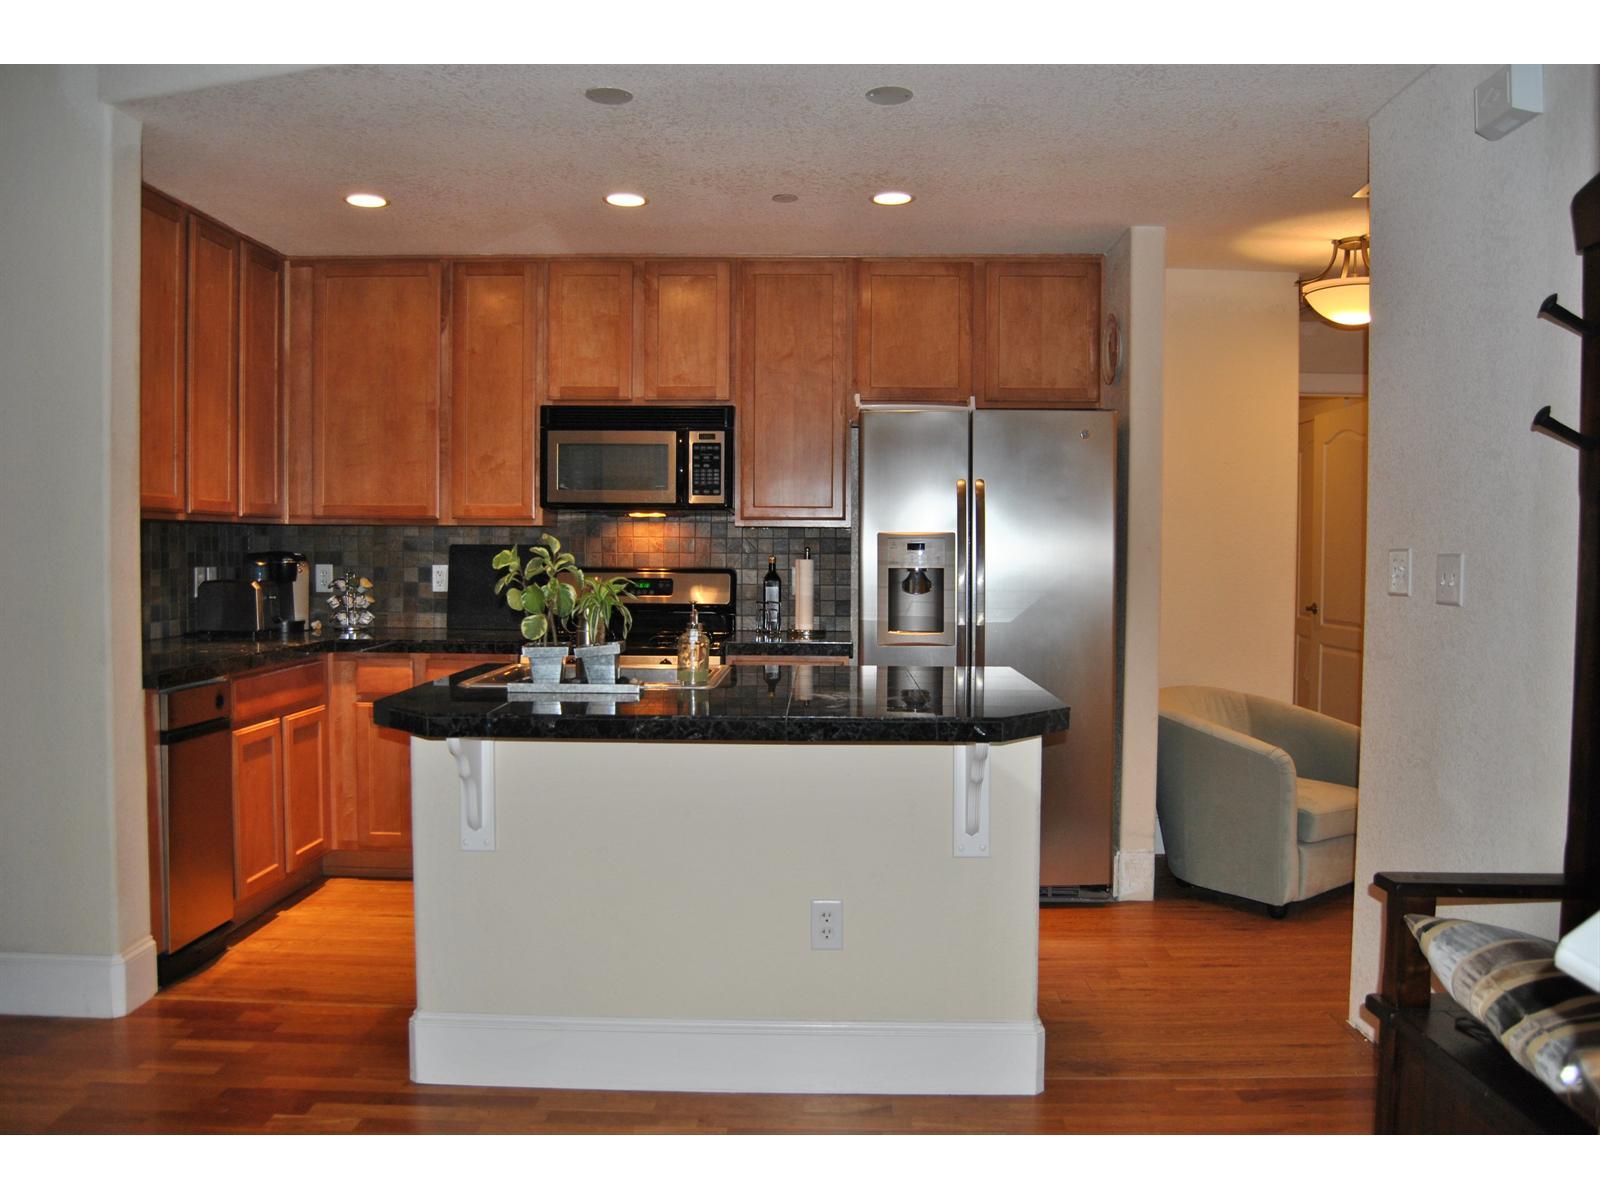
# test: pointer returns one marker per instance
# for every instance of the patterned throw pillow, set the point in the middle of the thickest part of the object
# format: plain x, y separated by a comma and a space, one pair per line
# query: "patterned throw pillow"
1548, 1021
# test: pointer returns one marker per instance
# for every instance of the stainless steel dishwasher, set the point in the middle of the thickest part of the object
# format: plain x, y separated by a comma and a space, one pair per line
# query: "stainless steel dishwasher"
196, 827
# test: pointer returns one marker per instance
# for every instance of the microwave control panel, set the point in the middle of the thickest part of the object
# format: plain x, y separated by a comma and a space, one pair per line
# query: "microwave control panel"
708, 470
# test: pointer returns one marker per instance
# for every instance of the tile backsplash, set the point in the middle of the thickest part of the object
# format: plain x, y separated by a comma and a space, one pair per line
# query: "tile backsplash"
399, 559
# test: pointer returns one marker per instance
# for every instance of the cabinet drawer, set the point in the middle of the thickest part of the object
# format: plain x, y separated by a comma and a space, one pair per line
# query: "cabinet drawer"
277, 693
436, 666
191, 706
375, 680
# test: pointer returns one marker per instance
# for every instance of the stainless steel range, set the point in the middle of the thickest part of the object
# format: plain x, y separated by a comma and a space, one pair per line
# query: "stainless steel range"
659, 601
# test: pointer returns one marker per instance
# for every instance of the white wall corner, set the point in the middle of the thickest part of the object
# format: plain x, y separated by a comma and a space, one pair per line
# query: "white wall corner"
78, 985
1136, 875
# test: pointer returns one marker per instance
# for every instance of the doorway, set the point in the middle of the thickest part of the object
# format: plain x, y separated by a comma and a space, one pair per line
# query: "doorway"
1330, 584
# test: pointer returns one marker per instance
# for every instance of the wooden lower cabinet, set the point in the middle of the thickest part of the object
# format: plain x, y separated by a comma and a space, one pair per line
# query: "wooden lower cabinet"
370, 779
371, 776
280, 776
305, 786
257, 808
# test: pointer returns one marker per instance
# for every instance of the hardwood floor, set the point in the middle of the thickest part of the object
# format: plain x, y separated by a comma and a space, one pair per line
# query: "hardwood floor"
1194, 1014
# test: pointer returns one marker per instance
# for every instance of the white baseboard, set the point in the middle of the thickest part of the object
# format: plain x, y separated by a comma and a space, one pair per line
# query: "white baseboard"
78, 985
992, 1058
1136, 875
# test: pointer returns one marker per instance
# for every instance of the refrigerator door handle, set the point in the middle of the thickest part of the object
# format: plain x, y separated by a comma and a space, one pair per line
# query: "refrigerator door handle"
963, 658
979, 549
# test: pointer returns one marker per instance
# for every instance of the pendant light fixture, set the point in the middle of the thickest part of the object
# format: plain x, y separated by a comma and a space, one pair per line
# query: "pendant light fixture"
1340, 293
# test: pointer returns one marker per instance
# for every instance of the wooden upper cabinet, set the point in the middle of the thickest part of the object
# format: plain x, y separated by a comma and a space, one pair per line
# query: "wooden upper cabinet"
1042, 332
494, 328
794, 378
162, 285
374, 424
685, 325
914, 330
589, 330
213, 369
260, 394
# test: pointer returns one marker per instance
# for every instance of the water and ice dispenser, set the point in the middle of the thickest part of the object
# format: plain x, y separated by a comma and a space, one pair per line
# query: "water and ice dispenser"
916, 593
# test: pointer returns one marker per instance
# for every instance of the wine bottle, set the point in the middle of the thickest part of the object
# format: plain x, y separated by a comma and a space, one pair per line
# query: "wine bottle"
771, 600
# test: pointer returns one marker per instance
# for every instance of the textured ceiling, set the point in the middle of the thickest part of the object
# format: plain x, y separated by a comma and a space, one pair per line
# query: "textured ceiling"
1249, 166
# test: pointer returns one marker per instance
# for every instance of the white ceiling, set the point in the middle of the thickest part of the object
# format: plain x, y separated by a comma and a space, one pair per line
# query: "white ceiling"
1246, 166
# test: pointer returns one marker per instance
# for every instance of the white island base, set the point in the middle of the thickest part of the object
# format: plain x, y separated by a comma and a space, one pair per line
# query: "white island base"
643, 918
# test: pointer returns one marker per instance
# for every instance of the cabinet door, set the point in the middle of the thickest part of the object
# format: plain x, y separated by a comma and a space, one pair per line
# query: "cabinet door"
374, 811
305, 786
1042, 332
257, 808
494, 324
161, 372
213, 369
375, 390
589, 321
914, 331
793, 430
684, 330
260, 396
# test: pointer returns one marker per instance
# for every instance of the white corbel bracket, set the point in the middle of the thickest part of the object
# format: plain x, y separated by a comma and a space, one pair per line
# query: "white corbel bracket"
970, 796
475, 766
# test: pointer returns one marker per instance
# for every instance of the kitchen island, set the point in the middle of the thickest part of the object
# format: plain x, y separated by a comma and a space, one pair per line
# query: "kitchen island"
624, 898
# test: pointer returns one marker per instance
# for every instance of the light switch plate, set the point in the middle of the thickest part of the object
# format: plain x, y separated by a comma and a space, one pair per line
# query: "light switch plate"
1451, 580
441, 577
1400, 572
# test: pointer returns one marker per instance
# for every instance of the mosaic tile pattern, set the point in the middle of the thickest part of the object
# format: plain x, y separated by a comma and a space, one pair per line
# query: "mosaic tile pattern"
399, 559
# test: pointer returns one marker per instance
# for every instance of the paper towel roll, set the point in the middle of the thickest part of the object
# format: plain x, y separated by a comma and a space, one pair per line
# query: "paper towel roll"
803, 587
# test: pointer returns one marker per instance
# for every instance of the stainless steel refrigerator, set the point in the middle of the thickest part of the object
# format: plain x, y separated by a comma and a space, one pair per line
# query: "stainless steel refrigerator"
988, 538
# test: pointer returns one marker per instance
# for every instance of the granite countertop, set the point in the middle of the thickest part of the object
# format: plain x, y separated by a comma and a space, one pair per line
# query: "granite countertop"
757, 704
173, 662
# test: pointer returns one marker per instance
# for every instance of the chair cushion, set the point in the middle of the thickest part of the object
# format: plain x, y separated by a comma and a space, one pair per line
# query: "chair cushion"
1547, 1020
1217, 705
1323, 810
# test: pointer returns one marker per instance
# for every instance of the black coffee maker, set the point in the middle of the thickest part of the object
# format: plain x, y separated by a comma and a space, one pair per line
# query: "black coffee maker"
282, 582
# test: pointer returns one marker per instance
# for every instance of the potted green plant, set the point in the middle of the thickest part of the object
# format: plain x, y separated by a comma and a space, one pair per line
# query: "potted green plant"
598, 601
535, 587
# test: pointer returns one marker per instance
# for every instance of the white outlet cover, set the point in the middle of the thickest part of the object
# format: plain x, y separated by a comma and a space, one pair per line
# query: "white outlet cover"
827, 924
441, 577
1400, 572
1451, 580
324, 581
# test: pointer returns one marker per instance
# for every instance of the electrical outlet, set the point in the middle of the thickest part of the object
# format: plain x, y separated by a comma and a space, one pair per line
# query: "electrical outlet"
1452, 579
324, 577
441, 577
827, 924
1400, 572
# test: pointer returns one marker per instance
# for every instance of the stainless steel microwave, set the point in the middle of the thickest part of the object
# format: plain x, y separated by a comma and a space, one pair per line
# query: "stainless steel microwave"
636, 457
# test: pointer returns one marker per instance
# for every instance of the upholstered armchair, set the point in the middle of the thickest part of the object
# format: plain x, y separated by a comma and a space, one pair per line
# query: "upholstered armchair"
1257, 798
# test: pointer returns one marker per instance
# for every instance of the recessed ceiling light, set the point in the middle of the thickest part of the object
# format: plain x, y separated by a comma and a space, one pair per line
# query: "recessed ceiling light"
889, 95
785, 198
608, 95
626, 200
365, 200
890, 199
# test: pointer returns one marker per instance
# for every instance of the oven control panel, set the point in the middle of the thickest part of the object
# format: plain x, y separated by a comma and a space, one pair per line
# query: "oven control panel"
708, 467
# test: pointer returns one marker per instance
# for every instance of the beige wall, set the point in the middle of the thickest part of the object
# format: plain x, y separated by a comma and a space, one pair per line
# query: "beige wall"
1466, 711
1228, 481
1333, 362
73, 877
683, 888
1135, 290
